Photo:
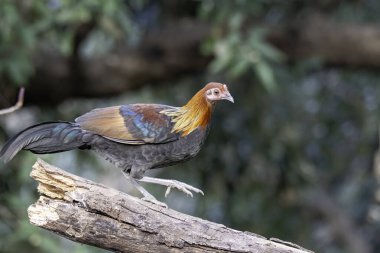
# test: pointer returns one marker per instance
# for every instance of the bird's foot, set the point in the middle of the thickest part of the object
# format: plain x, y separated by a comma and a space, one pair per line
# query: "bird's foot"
154, 201
147, 196
173, 184
186, 188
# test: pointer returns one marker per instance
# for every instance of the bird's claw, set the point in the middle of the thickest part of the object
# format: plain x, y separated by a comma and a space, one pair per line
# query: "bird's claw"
182, 187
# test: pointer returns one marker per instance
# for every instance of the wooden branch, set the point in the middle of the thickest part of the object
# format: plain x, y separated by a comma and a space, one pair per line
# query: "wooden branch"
18, 105
339, 43
91, 213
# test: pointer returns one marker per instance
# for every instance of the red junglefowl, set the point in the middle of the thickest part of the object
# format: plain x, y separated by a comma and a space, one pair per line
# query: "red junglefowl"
135, 137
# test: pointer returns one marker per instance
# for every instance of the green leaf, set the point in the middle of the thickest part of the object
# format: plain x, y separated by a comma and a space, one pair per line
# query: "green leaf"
66, 43
223, 57
239, 68
236, 20
266, 76
270, 52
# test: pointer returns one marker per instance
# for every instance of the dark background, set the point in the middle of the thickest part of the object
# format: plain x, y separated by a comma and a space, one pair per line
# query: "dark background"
293, 158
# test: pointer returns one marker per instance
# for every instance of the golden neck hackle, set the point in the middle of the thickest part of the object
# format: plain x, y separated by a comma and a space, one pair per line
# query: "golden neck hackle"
196, 113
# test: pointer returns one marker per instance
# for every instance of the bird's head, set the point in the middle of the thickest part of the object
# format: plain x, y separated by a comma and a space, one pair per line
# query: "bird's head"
197, 112
217, 91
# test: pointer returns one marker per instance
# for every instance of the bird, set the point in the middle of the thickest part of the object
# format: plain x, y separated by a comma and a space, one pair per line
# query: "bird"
134, 137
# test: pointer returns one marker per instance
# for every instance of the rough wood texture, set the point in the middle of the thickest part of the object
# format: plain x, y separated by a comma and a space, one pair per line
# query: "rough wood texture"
91, 213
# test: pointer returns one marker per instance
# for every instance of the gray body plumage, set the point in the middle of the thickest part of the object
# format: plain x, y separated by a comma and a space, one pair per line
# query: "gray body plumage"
136, 159
55, 137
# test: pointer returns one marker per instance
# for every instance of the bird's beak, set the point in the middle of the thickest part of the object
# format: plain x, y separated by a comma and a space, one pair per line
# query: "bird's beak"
227, 96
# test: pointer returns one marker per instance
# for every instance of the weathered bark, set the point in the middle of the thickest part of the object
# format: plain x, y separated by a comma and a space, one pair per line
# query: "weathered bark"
91, 213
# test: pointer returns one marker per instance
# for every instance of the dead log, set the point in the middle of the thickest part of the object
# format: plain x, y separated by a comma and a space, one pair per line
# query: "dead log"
91, 213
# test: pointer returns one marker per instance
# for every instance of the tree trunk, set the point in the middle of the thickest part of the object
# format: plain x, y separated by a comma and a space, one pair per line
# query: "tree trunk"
91, 213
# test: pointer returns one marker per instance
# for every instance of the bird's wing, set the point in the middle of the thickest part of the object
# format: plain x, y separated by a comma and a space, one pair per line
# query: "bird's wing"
131, 124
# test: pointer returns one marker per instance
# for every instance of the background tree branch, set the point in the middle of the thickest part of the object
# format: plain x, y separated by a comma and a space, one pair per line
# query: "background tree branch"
333, 42
90, 213
18, 105
158, 57
173, 50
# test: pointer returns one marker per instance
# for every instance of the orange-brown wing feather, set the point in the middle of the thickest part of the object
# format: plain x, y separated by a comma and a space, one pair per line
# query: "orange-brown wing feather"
130, 124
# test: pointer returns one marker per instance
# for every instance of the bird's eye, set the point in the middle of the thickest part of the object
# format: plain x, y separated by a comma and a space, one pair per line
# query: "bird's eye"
216, 92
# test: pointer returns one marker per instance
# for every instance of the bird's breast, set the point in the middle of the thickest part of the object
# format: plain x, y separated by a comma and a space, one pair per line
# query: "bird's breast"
149, 156
181, 150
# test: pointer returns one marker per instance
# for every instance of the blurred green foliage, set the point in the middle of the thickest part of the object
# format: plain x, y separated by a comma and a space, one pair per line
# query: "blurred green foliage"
239, 51
52, 24
268, 156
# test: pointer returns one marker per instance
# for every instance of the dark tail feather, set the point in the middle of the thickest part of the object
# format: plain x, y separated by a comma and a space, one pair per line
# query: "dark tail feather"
45, 138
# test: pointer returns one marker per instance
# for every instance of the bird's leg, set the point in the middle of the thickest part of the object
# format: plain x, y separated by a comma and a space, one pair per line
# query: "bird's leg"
147, 196
172, 184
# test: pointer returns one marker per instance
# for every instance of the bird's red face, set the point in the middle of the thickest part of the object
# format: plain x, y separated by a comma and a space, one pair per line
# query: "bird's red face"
217, 92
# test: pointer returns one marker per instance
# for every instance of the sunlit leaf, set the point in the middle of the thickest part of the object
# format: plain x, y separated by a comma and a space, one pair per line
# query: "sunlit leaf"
239, 68
269, 52
266, 76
